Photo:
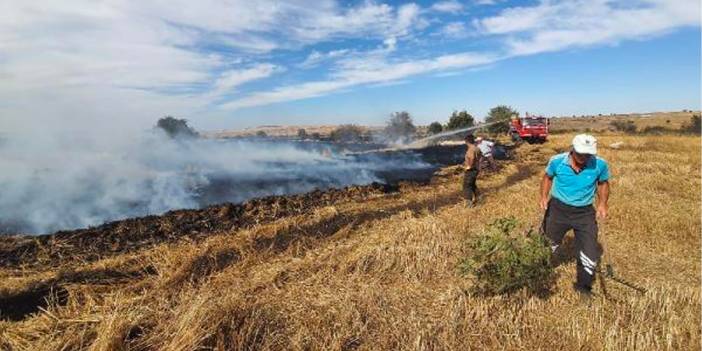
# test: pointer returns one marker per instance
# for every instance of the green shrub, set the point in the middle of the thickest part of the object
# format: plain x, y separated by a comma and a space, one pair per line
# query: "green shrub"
302, 134
347, 133
435, 128
502, 260
657, 130
694, 126
400, 127
460, 120
502, 115
623, 126
176, 128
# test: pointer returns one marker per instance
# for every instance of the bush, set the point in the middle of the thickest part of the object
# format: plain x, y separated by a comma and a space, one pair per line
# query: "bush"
347, 133
657, 130
261, 134
302, 134
460, 120
176, 128
435, 128
400, 127
503, 261
694, 126
501, 114
623, 126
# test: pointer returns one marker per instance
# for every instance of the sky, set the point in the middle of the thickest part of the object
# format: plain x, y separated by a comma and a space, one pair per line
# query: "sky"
229, 64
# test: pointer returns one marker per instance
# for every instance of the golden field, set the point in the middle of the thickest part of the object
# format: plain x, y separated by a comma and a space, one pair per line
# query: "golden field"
382, 273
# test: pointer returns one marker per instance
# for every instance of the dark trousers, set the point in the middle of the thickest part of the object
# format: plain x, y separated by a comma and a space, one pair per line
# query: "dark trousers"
470, 189
559, 219
489, 162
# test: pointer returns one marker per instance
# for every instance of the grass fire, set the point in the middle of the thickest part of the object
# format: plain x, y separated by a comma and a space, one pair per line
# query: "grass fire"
350, 175
376, 266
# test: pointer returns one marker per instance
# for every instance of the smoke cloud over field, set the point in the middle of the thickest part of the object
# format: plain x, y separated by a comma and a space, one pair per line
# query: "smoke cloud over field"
72, 181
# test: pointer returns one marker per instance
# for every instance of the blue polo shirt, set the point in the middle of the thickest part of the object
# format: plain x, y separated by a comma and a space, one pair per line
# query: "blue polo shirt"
576, 189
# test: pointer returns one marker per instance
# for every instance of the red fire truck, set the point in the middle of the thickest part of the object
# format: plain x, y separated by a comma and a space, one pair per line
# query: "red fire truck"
532, 129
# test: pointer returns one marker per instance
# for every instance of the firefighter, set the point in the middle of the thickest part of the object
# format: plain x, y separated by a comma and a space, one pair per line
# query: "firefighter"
485, 147
567, 195
471, 165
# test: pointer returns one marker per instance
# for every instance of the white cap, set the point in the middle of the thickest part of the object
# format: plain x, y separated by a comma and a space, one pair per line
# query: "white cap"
585, 144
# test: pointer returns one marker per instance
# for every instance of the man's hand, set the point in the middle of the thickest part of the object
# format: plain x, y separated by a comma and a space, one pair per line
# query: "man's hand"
545, 192
602, 197
602, 212
544, 203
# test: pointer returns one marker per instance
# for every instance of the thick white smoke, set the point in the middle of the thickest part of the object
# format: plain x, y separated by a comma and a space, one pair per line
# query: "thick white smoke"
71, 181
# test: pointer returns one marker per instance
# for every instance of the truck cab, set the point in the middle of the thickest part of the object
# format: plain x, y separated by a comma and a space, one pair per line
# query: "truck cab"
532, 129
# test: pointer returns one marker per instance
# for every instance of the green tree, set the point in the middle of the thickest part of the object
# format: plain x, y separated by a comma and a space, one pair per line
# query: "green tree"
261, 134
347, 133
435, 128
460, 120
302, 133
627, 126
176, 127
694, 126
400, 127
501, 115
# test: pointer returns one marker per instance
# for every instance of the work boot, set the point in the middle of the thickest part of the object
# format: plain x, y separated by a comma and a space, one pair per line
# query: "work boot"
584, 294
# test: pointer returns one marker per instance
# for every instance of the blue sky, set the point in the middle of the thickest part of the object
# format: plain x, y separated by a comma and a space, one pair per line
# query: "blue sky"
235, 63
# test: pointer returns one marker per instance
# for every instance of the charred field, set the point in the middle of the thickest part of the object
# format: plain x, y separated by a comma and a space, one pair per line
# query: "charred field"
365, 267
149, 174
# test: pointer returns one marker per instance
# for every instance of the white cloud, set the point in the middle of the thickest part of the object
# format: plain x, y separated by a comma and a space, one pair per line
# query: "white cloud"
487, 2
551, 25
360, 71
231, 79
133, 61
61, 58
316, 57
450, 6
407, 17
454, 30
368, 19
557, 25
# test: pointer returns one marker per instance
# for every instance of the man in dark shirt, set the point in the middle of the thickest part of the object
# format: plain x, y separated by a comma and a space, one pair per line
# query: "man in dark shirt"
471, 165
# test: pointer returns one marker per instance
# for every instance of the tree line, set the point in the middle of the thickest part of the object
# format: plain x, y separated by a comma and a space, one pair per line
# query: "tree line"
400, 127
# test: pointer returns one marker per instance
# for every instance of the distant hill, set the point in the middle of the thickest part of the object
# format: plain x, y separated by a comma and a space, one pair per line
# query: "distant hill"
281, 131
601, 123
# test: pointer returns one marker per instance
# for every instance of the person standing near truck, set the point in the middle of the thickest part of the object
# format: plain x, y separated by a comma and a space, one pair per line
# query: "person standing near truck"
486, 147
567, 194
471, 166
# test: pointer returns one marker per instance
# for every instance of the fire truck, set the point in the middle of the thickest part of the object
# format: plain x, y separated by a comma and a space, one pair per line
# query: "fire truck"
532, 129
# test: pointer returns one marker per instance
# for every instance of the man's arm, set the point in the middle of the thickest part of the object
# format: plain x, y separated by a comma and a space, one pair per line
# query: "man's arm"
602, 198
546, 183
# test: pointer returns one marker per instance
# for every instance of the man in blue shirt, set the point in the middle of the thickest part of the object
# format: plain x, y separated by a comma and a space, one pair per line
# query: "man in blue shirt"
567, 194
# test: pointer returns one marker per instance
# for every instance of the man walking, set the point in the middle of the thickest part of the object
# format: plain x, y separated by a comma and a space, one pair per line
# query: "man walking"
572, 179
471, 165
485, 147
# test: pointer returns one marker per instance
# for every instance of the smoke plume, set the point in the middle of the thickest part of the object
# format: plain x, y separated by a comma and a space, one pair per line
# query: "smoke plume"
68, 181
